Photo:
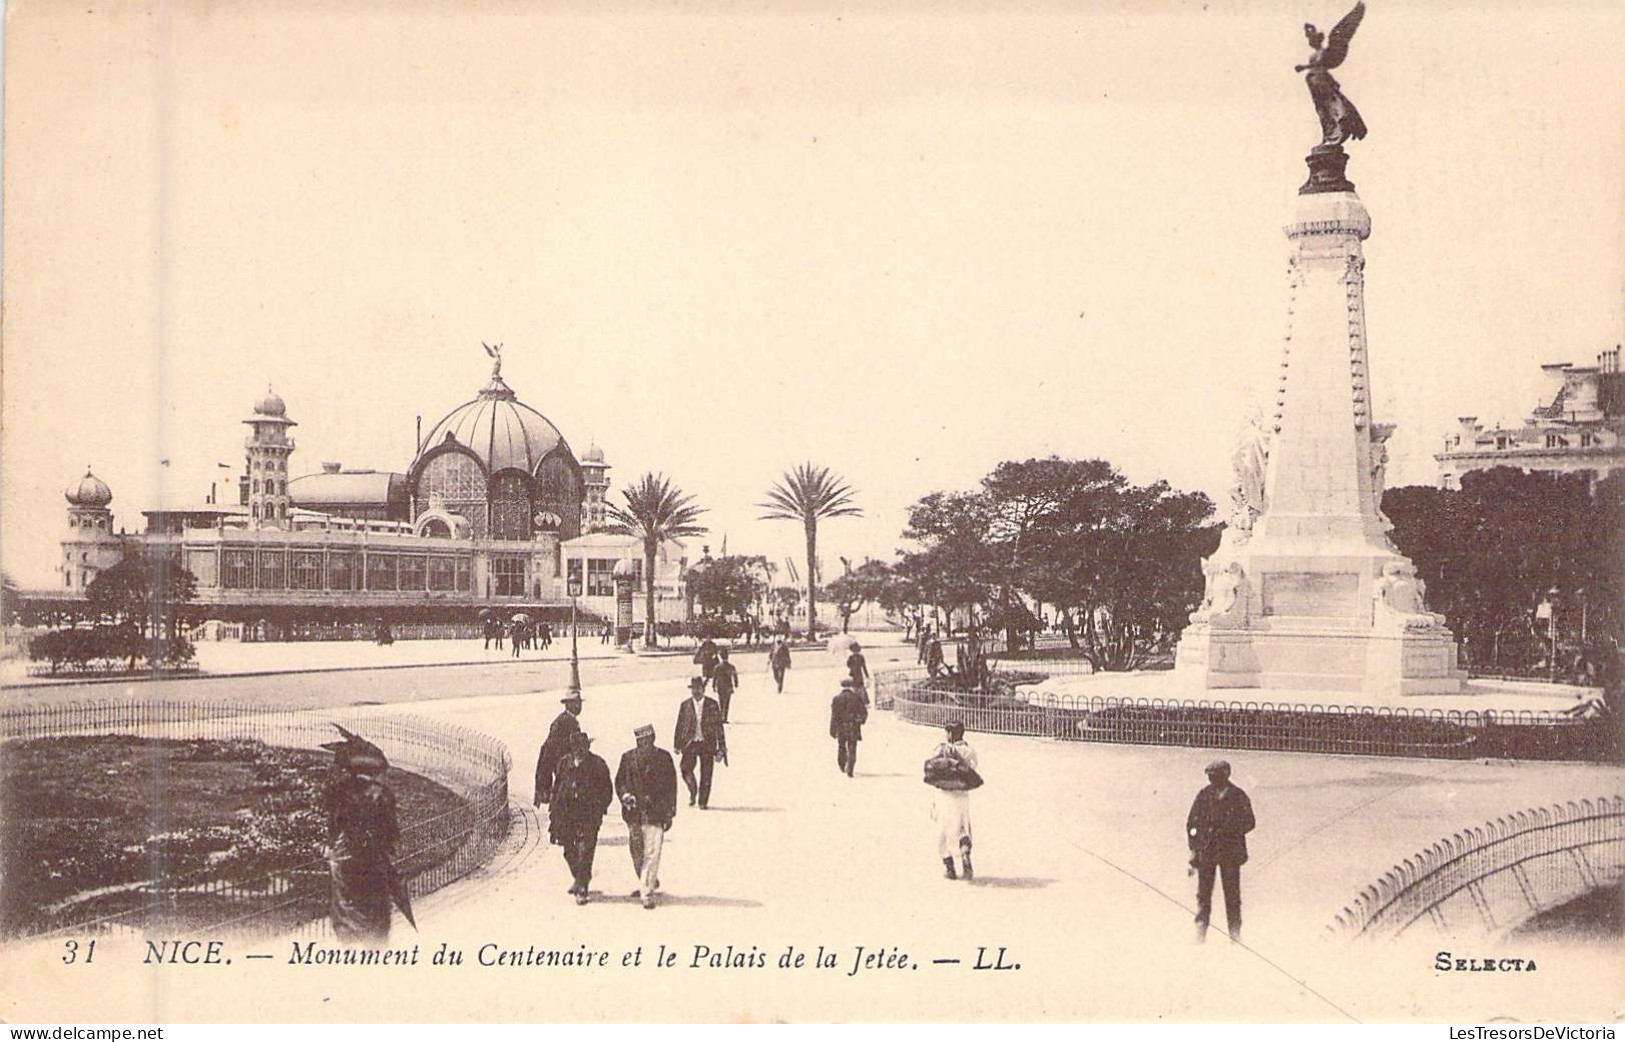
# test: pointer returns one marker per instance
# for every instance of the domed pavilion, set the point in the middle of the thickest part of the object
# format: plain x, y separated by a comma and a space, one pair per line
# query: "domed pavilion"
498, 467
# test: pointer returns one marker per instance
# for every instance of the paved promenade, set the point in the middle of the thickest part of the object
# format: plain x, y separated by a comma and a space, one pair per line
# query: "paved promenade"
1081, 879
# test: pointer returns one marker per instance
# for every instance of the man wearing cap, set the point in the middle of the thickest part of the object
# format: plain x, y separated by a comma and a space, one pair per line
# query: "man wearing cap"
699, 737
361, 829
779, 660
1217, 828
646, 782
557, 743
725, 681
582, 793
847, 715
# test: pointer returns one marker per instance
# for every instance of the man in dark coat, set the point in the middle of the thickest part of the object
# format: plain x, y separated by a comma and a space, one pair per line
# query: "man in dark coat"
700, 737
646, 782
706, 658
582, 793
1217, 828
847, 715
557, 744
725, 680
779, 660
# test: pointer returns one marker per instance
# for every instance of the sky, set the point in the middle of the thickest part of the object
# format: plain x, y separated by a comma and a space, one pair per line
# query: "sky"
906, 242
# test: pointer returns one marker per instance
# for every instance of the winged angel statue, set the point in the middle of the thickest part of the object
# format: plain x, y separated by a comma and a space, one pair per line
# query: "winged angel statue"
1339, 119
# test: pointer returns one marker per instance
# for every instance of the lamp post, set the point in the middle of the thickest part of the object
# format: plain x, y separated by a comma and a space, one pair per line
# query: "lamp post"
575, 659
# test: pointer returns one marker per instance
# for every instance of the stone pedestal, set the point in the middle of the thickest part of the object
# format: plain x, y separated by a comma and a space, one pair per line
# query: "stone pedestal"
1306, 591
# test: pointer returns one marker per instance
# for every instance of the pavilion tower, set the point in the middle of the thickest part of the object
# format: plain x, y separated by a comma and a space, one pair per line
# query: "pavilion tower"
264, 484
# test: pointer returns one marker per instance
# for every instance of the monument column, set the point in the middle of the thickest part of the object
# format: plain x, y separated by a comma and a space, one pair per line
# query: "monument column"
1306, 594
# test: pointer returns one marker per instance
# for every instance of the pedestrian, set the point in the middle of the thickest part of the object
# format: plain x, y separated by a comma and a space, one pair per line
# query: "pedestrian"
951, 770
706, 658
923, 642
491, 629
559, 733
520, 635
582, 793
361, 829
547, 635
603, 637
646, 782
1217, 827
847, 715
933, 659
859, 668
700, 738
779, 660
725, 681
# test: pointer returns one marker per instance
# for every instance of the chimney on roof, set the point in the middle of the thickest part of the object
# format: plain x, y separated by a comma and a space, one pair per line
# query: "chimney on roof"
332, 468
1608, 361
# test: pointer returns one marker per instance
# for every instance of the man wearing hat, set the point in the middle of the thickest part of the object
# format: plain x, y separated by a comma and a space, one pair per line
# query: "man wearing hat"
554, 747
847, 715
646, 782
582, 793
699, 737
1217, 828
361, 829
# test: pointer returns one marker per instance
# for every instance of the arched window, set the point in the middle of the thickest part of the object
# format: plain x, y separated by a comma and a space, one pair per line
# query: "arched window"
558, 491
510, 506
458, 482
256, 485
437, 529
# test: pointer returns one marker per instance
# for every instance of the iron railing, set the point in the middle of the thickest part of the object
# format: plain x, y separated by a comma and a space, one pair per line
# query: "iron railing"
1252, 724
430, 853
1496, 876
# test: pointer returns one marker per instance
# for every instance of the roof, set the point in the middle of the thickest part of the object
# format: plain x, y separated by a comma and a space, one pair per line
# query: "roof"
347, 487
501, 431
221, 509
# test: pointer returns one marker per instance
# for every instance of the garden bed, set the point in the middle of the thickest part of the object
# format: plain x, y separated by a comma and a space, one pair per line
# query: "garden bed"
193, 831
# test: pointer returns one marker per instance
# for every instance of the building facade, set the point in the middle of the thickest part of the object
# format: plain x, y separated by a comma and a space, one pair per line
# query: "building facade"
1578, 429
490, 513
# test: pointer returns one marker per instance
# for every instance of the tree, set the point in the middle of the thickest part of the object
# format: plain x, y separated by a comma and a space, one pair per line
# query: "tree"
727, 586
1124, 560
858, 587
654, 512
809, 494
1493, 550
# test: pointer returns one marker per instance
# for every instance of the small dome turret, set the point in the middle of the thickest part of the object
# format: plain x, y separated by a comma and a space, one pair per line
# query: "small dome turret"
89, 491
271, 405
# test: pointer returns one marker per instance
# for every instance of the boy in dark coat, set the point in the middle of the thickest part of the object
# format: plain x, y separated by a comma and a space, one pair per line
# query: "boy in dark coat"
1217, 828
847, 715
582, 793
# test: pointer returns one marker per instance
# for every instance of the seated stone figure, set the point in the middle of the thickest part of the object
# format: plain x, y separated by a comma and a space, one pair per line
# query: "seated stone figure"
1224, 595
1399, 599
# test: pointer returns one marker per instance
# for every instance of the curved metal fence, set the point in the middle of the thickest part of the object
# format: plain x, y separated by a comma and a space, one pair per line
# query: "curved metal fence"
1496, 876
431, 851
1250, 724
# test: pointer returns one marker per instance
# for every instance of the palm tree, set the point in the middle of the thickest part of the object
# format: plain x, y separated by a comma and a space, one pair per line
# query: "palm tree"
808, 494
655, 512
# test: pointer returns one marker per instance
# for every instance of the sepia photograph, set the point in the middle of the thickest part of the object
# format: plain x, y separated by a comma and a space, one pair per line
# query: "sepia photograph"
1103, 512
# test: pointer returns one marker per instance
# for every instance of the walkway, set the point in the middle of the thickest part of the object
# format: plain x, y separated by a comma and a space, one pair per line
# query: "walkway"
1081, 879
